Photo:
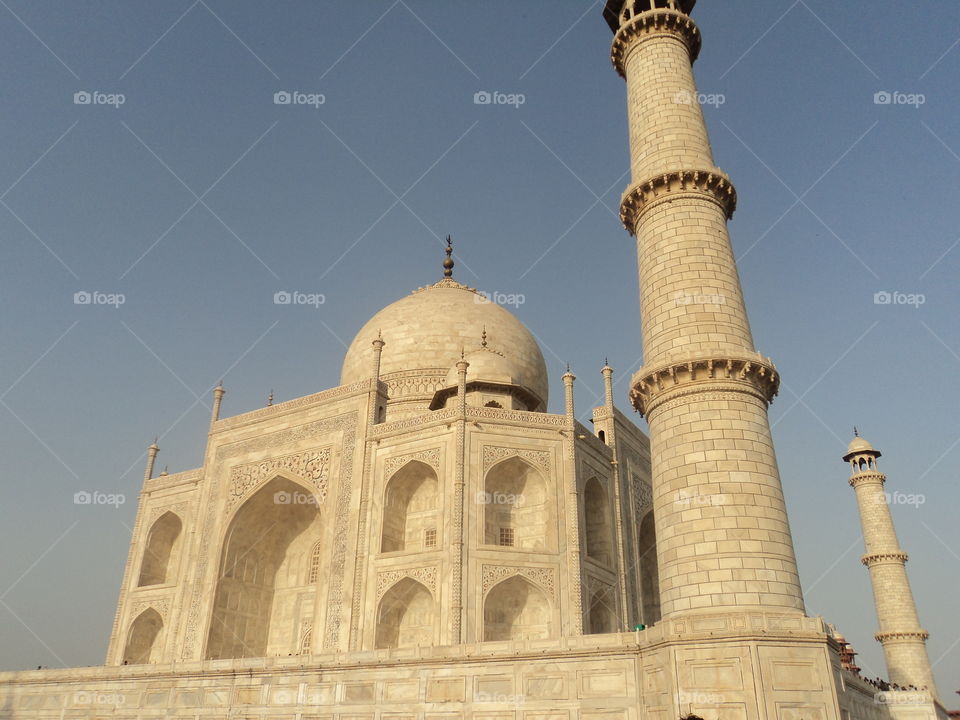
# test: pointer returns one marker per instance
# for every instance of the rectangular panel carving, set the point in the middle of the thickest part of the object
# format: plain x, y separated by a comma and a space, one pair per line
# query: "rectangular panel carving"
446, 690
603, 684
401, 690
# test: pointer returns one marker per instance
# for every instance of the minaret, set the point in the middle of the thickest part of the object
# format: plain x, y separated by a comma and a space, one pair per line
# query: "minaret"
904, 641
723, 539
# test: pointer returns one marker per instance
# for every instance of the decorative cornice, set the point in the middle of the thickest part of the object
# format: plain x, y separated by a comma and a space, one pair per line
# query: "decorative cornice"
756, 376
712, 183
660, 22
874, 558
869, 476
902, 635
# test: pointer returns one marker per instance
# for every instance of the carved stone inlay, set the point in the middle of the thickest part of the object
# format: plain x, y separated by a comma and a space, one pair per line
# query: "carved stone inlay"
311, 465
523, 416
428, 457
868, 477
546, 578
712, 183
650, 24
415, 383
492, 455
161, 605
642, 495
180, 510
427, 576
653, 386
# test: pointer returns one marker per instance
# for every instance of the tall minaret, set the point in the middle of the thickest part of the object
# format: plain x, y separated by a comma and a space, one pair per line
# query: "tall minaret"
723, 540
904, 641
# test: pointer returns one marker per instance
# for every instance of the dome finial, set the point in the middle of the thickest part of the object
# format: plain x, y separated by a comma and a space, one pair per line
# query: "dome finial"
856, 433
448, 261
483, 337
270, 398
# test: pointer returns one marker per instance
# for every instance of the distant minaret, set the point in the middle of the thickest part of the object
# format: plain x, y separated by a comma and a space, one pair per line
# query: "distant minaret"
723, 539
904, 641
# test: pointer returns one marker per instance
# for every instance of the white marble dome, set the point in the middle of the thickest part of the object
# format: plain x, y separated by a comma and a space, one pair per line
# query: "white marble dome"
426, 331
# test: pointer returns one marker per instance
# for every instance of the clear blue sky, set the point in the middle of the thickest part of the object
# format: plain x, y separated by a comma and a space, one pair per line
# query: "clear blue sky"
840, 198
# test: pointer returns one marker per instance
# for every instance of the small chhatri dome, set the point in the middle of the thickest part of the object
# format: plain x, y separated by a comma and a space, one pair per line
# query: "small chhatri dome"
859, 446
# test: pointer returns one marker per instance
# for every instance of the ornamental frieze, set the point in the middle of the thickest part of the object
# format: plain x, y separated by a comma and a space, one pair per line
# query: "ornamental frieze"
310, 465
545, 578
429, 457
426, 576
492, 455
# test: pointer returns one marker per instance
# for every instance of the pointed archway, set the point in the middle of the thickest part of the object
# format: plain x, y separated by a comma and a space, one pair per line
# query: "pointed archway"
649, 572
411, 501
158, 565
263, 593
142, 638
515, 506
599, 530
516, 609
405, 617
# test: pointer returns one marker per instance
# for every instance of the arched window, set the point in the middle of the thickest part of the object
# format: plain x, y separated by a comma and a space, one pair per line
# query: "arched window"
160, 555
515, 507
516, 609
314, 573
142, 645
599, 529
603, 613
649, 573
602, 435
405, 617
410, 508
306, 641
261, 573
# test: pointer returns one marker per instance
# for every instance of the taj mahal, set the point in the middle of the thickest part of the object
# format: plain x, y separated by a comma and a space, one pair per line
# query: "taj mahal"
426, 542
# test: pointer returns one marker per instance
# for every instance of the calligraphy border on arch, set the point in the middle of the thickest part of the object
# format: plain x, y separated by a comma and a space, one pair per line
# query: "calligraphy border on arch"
544, 577
312, 466
427, 576
429, 457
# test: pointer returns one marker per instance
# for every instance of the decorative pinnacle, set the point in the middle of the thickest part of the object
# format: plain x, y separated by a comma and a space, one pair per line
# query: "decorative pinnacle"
483, 337
856, 433
270, 398
448, 261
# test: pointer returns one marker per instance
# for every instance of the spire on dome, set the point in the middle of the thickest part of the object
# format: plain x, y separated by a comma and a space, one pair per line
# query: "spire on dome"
448, 261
